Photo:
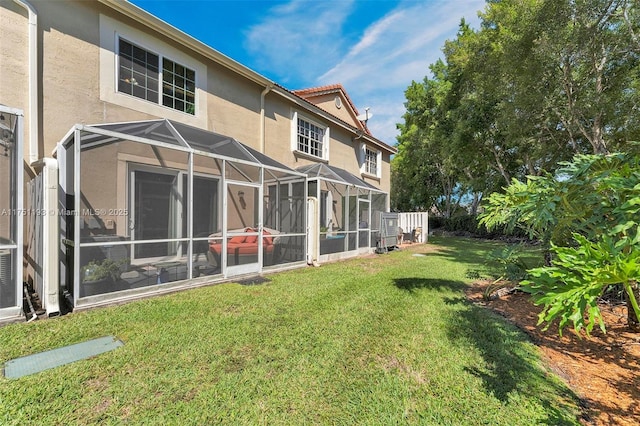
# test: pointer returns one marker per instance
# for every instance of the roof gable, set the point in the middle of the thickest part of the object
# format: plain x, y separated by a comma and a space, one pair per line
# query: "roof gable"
334, 100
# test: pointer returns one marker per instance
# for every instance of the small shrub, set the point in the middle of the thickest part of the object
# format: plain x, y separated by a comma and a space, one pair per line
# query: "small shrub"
469, 225
436, 222
510, 259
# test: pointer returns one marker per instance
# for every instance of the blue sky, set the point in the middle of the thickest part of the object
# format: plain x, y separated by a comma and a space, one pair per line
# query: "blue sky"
374, 48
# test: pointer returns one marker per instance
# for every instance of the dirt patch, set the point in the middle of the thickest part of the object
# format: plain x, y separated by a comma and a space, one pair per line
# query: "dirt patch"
604, 370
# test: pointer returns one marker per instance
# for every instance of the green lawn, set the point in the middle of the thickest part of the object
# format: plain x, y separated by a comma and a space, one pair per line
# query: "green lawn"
381, 340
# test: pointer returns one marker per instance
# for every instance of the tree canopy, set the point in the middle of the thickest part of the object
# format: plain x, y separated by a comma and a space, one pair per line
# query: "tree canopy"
587, 214
539, 82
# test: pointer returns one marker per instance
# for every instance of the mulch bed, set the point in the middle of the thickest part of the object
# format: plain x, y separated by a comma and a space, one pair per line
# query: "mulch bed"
603, 370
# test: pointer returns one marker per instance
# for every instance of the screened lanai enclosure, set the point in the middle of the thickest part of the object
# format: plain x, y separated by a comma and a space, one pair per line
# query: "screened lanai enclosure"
150, 204
349, 211
11, 212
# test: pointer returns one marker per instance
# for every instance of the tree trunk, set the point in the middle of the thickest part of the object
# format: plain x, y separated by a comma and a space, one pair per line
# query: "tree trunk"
475, 203
632, 320
500, 167
597, 129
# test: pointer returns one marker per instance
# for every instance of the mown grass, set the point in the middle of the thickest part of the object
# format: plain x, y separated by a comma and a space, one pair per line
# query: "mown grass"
377, 340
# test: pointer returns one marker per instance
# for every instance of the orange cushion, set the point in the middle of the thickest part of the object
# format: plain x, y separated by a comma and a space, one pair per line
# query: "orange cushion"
238, 239
251, 239
267, 241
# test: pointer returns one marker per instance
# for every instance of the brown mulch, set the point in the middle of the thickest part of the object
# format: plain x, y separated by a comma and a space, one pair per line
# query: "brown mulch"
603, 370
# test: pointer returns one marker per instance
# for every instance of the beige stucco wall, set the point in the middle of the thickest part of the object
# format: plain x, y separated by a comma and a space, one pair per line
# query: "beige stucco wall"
13, 57
328, 103
70, 66
6, 213
105, 185
343, 151
105, 182
77, 83
234, 106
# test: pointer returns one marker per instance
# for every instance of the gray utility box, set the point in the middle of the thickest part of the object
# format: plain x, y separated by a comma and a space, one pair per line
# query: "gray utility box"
388, 230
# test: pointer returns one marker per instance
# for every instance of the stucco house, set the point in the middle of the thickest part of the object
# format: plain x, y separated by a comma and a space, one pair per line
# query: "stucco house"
138, 160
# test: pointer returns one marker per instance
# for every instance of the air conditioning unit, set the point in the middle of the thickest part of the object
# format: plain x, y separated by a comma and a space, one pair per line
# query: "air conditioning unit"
5, 268
7, 286
388, 230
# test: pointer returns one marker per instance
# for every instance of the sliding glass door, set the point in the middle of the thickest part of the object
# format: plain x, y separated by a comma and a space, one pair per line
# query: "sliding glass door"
244, 250
157, 208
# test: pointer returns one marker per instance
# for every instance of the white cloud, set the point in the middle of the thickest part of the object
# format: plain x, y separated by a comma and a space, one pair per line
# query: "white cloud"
377, 68
299, 38
375, 32
398, 49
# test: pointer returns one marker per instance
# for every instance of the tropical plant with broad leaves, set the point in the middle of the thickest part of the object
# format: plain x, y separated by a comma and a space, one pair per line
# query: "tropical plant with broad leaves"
587, 215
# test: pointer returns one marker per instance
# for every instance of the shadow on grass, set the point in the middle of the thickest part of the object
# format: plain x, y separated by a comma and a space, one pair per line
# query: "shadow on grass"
413, 284
511, 366
479, 255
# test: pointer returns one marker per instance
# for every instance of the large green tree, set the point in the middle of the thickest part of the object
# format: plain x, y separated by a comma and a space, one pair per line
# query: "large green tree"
423, 174
539, 82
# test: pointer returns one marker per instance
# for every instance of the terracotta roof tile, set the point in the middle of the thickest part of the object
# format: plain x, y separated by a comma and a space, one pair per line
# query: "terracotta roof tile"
303, 94
331, 88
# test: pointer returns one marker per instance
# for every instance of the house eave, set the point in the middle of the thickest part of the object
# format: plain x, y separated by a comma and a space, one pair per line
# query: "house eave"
356, 132
157, 24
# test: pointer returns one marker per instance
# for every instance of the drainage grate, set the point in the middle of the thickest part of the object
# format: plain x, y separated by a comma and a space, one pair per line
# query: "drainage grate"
254, 281
54, 358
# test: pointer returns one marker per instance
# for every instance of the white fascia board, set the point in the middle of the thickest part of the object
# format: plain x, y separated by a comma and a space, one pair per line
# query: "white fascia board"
157, 24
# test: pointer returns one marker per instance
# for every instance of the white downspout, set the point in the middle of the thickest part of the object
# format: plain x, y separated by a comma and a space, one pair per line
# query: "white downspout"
313, 231
33, 80
262, 119
50, 236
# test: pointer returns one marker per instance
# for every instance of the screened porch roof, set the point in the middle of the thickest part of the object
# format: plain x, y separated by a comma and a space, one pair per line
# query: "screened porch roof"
324, 171
174, 134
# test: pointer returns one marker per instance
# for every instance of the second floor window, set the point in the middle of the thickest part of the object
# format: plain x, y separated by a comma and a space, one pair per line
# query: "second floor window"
178, 87
370, 162
139, 75
310, 138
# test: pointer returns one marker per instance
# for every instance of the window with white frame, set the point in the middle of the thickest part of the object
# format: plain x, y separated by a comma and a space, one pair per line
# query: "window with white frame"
139, 75
370, 161
310, 138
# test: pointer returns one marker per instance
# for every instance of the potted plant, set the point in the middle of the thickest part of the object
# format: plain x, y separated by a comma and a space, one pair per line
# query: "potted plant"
99, 276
